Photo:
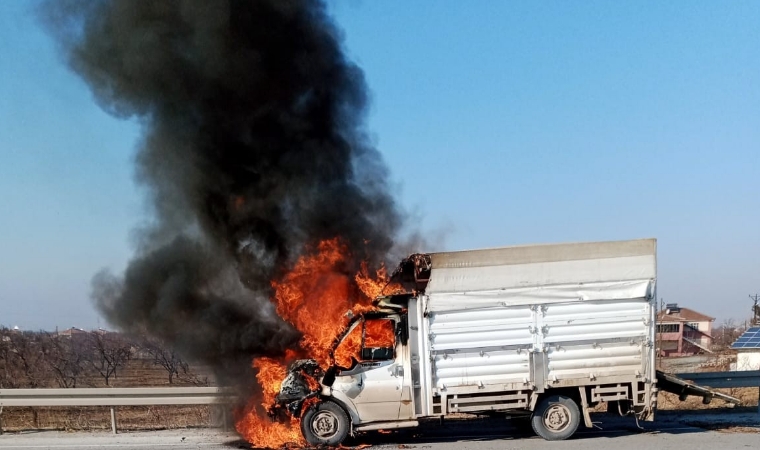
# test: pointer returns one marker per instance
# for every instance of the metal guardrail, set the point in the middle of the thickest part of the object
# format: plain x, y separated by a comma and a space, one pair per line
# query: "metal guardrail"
114, 396
733, 379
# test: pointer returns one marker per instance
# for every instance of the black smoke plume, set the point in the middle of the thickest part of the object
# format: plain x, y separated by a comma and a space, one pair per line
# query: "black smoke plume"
254, 146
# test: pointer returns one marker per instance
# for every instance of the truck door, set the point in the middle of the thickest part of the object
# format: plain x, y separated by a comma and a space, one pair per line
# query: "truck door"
378, 374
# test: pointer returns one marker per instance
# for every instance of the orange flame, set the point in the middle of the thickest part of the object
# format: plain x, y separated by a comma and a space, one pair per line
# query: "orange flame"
349, 348
252, 423
314, 296
379, 333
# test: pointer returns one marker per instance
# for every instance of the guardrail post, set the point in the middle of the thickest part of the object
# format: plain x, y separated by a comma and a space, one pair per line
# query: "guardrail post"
225, 422
1, 419
113, 420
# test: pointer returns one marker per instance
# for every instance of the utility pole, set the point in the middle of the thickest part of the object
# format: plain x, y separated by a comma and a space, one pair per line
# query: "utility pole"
755, 309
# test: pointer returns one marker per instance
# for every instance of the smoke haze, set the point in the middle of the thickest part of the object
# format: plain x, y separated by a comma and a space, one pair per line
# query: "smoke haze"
253, 147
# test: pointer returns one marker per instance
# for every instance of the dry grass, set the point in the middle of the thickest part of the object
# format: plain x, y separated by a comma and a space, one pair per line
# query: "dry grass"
737, 430
668, 401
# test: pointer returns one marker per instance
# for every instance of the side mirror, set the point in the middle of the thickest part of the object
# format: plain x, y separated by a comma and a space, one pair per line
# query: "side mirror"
402, 331
329, 378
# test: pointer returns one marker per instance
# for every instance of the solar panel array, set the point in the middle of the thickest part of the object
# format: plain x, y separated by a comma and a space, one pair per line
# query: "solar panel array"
750, 339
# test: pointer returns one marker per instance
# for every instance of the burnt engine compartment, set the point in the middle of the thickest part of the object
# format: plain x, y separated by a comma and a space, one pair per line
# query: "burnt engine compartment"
301, 384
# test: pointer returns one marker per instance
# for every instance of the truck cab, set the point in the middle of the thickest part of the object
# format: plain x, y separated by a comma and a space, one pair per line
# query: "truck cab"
369, 380
372, 369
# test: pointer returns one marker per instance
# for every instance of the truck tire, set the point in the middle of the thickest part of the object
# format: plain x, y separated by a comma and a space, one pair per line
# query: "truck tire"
556, 418
325, 424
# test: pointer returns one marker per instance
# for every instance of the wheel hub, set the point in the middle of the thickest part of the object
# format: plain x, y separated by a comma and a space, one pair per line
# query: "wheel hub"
557, 417
325, 424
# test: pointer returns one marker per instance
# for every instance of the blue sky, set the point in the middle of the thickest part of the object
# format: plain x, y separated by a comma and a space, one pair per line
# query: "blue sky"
502, 123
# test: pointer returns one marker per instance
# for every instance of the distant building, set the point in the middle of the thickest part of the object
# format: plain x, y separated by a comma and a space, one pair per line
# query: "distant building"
72, 332
683, 331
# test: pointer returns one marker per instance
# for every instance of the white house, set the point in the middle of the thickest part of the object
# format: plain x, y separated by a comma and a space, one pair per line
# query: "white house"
748, 350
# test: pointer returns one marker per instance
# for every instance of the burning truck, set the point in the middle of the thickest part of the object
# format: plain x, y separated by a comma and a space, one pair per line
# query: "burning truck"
544, 330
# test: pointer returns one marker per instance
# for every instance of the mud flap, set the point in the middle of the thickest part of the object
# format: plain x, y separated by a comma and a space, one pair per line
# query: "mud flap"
584, 408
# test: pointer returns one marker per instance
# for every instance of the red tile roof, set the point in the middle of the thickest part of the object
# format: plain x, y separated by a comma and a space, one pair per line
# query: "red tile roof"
684, 315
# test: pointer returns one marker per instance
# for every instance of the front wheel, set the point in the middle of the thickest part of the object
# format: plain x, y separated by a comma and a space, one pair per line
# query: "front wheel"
556, 418
325, 424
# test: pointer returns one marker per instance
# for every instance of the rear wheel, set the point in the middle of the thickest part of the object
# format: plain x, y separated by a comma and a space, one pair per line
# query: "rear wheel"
325, 424
556, 418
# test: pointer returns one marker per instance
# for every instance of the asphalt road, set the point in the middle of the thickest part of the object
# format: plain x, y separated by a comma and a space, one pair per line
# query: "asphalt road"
672, 431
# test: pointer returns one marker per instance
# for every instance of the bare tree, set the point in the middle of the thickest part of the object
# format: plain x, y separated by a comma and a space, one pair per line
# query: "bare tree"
9, 376
24, 356
107, 352
65, 356
168, 358
726, 334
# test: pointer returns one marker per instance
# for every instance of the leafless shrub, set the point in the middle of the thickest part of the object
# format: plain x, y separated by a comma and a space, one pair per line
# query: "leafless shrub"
76, 358
65, 357
22, 359
107, 353
725, 334
167, 358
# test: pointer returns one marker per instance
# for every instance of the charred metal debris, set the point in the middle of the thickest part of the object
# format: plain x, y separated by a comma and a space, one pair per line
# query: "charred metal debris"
301, 384
413, 273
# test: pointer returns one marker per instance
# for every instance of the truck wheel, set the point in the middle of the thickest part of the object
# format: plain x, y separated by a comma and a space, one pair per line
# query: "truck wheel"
556, 418
325, 424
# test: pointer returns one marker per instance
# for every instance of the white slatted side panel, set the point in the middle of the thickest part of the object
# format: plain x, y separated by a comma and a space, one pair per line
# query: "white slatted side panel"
583, 361
481, 346
467, 369
595, 320
493, 327
599, 338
